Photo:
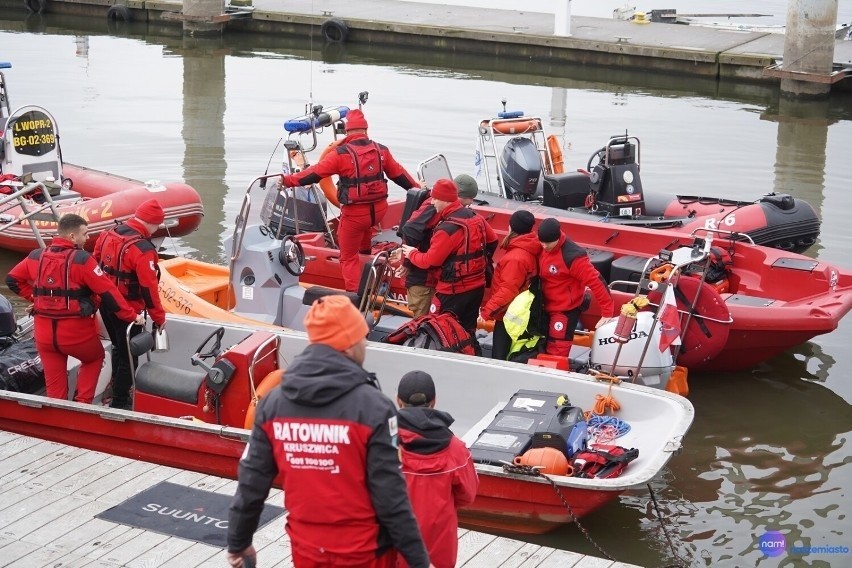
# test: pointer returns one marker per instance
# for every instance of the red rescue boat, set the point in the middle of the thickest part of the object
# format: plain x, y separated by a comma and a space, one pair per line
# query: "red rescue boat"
37, 187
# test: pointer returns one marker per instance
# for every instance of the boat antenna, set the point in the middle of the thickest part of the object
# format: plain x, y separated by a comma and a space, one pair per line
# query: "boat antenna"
269, 163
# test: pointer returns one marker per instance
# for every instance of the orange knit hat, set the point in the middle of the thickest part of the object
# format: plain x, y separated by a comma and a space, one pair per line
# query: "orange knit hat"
336, 322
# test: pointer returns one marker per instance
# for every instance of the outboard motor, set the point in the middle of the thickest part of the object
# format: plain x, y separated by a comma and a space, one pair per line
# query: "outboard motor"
615, 179
520, 169
8, 325
657, 366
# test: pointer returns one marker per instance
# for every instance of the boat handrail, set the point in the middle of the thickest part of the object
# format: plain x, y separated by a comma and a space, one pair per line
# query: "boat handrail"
27, 214
733, 235
488, 133
378, 282
256, 356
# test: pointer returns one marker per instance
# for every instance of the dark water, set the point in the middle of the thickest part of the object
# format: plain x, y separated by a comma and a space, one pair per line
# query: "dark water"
768, 448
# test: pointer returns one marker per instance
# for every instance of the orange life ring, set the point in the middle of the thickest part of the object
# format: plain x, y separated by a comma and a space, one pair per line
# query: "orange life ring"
327, 184
269, 382
555, 149
661, 273
512, 125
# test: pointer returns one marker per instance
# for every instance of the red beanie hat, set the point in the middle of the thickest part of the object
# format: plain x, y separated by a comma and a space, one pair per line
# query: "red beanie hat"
355, 119
445, 190
151, 212
336, 322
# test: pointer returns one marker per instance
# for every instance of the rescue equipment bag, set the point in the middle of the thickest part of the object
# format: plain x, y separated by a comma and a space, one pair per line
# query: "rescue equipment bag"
21, 369
368, 185
54, 295
440, 332
603, 461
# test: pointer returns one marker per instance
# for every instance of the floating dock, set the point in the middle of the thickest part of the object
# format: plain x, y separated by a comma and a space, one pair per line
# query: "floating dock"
52, 495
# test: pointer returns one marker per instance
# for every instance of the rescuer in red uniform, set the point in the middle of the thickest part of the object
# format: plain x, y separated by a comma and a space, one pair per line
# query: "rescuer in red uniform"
66, 285
565, 271
462, 245
362, 190
127, 255
330, 436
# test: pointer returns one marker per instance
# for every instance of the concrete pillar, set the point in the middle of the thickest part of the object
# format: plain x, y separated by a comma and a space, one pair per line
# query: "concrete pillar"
200, 14
809, 45
203, 132
800, 153
562, 23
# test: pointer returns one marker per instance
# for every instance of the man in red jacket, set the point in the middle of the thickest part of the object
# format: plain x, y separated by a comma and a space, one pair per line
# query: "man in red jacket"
66, 285
127, 255
362, 190
331, 435
438, 468
462, 246
566, 271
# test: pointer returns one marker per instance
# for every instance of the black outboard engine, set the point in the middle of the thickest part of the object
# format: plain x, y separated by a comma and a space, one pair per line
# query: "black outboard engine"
520, 169
615, 180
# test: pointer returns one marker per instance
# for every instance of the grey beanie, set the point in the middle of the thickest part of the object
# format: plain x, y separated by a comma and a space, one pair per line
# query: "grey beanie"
467, 186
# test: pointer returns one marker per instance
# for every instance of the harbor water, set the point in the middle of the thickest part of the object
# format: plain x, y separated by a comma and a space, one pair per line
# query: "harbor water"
767, 451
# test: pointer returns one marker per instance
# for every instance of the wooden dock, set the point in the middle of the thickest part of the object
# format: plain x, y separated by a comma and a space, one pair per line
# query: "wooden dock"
50, 494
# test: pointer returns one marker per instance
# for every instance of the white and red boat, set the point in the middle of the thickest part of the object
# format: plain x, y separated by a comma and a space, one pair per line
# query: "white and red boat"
37, 186
191, 405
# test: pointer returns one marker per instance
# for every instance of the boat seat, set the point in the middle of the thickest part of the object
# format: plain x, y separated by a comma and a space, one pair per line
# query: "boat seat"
414, 198
629, 268
161, 380
565, 190
602, 260
314, 293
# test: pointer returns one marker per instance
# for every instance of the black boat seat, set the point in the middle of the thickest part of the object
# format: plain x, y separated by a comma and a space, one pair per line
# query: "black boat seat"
169, 382
565, 190
414, 198
314, 293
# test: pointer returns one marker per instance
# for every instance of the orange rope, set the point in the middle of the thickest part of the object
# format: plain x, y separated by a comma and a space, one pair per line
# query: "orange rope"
602, 403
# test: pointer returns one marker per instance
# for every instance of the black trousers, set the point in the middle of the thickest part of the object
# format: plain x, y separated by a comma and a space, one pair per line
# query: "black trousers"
122, 381
465, 305
500, 341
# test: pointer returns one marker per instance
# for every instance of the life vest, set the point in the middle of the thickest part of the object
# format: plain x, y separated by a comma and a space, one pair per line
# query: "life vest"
55, 294
718, 268
517, 321
440, 332
369, 184
111, 255
603, 461
471, 259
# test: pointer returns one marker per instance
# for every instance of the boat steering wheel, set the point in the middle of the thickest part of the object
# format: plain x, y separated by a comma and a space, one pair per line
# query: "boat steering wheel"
596, 159
216, 376
292, 255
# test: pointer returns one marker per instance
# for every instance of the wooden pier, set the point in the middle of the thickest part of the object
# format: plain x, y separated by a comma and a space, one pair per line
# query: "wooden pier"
50, 495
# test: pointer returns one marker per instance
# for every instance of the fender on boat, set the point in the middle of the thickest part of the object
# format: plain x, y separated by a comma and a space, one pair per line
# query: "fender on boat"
709, 326
269, 382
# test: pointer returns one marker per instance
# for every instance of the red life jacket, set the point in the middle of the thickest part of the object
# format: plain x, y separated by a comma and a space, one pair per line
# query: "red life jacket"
55, 294
470, 260
441, 332
111, 256
603, 461
369, 184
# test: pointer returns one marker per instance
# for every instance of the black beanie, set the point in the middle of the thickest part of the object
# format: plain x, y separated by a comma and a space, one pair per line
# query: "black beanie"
549, 230
521, 222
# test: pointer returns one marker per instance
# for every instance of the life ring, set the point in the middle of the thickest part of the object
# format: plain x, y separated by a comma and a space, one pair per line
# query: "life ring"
35, 6
334, 30
269, 382
661, 273
118, 13
555, 149
512, 125
326, 184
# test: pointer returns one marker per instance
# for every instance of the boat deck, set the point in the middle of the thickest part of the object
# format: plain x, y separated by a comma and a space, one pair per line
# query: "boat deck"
51, 493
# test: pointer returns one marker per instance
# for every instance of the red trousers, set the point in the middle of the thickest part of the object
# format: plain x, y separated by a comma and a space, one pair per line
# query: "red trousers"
386, 560
56, 340
354, 235
560, 332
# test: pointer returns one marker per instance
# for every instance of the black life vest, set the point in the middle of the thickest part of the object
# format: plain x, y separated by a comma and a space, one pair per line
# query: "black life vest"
471, 259
603, 461
111, 256
369, 184
440, 332
55, 294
